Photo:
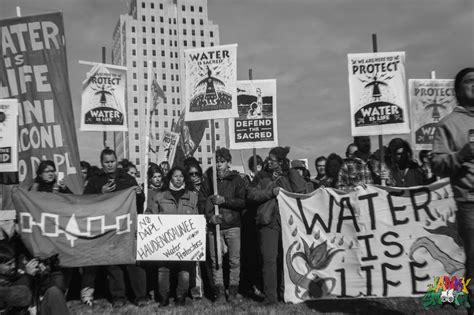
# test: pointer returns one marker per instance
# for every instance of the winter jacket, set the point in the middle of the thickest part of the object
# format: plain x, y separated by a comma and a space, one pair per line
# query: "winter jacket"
232, 188
15, 293
164, 203
122, 179
260, 192
450, 137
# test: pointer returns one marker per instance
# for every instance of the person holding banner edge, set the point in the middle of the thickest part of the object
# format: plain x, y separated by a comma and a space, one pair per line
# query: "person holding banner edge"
453, 156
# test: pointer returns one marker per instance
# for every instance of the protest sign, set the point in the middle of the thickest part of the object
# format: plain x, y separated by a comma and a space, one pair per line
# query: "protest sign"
380, 241
167, 149
171, 237
378, 94
85, 230
103, 99
8, 135
256, 126
211, 76
430, 101
34, 71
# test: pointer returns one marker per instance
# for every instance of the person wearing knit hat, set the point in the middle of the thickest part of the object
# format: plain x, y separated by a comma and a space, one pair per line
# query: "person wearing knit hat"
263, 192
453, 156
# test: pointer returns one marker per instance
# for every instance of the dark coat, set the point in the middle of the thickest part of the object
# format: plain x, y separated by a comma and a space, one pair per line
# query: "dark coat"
163, 202
232, 188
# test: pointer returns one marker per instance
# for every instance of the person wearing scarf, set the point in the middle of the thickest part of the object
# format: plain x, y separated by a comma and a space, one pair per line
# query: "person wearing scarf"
177, 197
263, 192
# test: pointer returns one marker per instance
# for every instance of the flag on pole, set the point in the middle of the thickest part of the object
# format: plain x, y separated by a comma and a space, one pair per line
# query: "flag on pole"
191, 133
157, 92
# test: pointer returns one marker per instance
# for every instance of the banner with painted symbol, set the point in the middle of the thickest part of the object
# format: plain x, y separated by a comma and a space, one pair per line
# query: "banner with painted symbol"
171, 237
34, 70
211, 82
103, 99
85, 230
256, 126
379, 242
378, 92
430, 101
8, 135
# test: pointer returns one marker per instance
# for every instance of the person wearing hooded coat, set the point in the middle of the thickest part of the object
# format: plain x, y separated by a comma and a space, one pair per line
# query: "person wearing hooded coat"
453, 156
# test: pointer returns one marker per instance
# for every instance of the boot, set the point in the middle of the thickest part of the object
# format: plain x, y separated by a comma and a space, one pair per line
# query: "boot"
164, 300
180, 300
87, 296
234, 297
218, 296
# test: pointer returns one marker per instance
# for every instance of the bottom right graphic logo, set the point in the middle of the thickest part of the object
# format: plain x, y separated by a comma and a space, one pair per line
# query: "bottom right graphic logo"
448, 291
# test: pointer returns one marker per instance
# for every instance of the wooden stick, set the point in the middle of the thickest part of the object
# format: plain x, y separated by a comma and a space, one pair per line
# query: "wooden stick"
216, 207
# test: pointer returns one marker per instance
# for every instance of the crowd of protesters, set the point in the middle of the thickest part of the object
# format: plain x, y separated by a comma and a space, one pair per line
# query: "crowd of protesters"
248, 215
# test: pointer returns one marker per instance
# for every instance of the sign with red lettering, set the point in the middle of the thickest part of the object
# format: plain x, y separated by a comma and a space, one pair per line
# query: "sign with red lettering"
376, 241
211, 77
256, 126
34, 71
103, 99
430, 101
378, 94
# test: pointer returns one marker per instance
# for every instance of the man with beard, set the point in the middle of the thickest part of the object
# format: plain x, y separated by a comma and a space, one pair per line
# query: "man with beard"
231, 202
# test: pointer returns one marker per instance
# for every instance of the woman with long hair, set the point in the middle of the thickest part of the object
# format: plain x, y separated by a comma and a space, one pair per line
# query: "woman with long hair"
46, 179
177, 197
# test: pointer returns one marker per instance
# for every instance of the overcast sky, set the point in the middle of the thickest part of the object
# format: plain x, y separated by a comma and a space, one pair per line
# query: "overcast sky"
301, 43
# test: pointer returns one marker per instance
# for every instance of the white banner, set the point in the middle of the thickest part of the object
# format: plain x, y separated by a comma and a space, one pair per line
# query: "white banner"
379, 241
211, 79
430, 101
167, 148
378, 94
256, 126
171, 237
9, 135
103, 99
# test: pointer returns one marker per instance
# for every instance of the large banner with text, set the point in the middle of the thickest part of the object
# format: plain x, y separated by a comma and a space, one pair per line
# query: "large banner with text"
379, 241
85, 230
33, 69
256, 126
378, 93
430, 101
171, 237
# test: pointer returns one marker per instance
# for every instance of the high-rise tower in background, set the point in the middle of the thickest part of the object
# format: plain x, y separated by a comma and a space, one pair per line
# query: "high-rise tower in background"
159, 31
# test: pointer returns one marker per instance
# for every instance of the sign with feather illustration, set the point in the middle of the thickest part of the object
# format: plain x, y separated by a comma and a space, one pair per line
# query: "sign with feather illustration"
378, 94
211, 81
376, 241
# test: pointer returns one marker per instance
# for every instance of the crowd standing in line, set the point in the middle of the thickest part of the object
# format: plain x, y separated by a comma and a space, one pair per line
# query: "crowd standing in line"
249, 220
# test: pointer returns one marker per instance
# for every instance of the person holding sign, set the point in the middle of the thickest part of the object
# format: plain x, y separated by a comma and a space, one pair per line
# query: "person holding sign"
453, 156
177, 197
263, 191
231, 202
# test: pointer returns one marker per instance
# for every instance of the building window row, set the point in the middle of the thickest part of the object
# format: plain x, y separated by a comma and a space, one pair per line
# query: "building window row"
191, 8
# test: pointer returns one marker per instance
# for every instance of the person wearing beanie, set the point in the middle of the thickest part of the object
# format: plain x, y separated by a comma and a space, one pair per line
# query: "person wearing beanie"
231, 202
263, 192
453, 156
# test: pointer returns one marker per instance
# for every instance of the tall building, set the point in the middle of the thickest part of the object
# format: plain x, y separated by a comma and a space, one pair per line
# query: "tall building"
159, 31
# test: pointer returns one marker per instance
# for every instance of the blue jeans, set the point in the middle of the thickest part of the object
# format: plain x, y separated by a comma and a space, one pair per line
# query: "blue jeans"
465, 220
182, 269
230, 238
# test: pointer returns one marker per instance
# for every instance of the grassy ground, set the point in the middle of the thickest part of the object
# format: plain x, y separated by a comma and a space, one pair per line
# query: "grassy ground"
205, 307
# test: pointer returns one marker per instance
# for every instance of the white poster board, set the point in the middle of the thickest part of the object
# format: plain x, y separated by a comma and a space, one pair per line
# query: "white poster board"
211, 78
378, 94
8, 135
103, 99
167, 148
169, 237
256, 126
430, 101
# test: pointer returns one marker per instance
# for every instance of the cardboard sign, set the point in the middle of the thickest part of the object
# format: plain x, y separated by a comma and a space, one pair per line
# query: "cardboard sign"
171, 237
430, 101
378, 94
256, 126
103, 99
167, 149
8, 135
211, 78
